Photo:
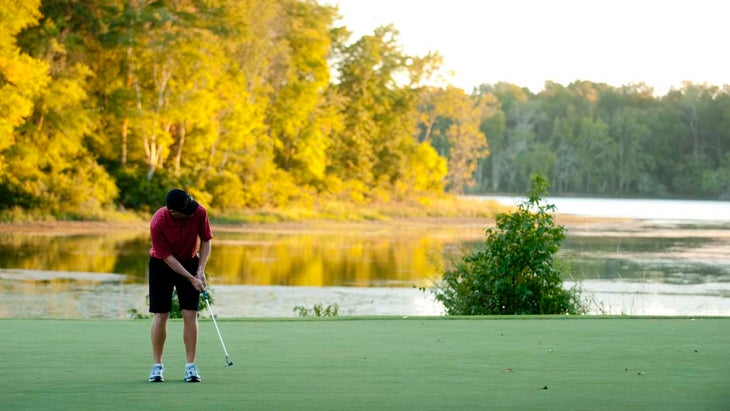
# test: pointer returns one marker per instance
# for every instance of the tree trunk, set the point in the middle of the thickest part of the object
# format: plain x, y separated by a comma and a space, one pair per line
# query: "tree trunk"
125, 131
180, 134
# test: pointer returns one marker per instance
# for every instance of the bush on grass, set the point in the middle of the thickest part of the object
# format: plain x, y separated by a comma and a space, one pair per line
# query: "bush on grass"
516, 271
175, 310
318, 310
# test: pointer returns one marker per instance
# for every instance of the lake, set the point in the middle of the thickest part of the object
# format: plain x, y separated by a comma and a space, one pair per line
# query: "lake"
645, 257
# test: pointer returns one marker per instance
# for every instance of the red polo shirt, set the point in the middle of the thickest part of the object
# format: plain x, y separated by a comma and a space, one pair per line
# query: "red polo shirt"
178, 238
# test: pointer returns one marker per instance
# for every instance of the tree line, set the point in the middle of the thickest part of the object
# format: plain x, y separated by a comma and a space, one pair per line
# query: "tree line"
265, 103
594, 139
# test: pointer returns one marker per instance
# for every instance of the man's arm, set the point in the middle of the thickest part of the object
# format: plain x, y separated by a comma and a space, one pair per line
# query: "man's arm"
203, 254
173, 263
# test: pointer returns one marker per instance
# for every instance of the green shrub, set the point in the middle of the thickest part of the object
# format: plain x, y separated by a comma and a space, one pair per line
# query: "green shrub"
175, 311
318, 310
515, 272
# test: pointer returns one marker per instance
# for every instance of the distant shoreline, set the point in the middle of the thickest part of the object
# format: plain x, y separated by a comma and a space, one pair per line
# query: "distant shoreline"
64, 227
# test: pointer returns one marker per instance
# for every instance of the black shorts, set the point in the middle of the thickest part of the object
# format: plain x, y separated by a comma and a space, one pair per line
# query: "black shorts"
162, 279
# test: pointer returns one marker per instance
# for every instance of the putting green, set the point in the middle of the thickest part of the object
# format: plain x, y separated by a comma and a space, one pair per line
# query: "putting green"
375, 363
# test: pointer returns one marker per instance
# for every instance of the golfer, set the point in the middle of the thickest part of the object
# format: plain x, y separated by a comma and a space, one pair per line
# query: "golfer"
177, 262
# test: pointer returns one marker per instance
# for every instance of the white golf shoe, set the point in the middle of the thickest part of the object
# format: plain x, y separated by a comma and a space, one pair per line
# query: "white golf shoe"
191, 373
156, 373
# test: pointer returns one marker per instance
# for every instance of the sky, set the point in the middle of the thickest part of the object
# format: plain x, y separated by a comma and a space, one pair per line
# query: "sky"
527, 42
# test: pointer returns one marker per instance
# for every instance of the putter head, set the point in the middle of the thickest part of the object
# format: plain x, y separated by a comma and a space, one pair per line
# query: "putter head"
228, 362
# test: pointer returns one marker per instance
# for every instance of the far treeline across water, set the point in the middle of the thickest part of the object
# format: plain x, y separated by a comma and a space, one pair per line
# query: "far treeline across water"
269, 103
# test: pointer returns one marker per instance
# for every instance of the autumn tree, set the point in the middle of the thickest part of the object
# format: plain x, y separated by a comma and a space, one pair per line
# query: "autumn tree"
22, 77
377, 145
296, 114
262, 103
450, 121
51, 166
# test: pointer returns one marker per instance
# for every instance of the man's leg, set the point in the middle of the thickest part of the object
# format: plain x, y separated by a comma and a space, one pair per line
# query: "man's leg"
190, 334
189, 299
190, 337
160, 300
158, 335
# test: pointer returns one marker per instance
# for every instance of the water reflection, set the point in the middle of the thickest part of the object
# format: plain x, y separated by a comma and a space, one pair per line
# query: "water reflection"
394, 256
654, 253
99, 253
326, 260
391, 257
349, 263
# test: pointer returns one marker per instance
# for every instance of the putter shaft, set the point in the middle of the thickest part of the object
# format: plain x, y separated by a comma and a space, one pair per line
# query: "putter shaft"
215, 323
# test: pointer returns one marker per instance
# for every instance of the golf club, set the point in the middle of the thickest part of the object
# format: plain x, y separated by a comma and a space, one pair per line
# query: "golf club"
212, 315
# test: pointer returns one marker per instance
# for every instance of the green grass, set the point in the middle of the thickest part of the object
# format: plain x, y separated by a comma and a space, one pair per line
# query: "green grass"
323, 209
375, 364
332, 210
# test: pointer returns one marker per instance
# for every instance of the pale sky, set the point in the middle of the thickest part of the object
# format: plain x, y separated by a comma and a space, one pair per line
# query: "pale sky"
527, 42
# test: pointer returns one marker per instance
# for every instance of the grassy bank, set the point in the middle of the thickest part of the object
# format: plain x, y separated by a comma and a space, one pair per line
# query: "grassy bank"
444, 207
376, 363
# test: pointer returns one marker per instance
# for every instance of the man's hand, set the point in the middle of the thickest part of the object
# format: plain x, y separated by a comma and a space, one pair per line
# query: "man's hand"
198, 283
201, 277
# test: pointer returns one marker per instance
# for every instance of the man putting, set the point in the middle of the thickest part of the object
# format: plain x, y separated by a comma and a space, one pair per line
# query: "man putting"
177, 262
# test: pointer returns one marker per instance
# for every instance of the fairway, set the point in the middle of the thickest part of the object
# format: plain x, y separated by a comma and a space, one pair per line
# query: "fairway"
375, 364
